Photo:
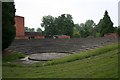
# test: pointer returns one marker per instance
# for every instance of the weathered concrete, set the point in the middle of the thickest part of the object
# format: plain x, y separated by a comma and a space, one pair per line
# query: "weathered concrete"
46, 56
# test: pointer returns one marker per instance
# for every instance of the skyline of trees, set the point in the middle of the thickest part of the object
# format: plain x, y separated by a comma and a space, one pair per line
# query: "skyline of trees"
64, 25
27, 29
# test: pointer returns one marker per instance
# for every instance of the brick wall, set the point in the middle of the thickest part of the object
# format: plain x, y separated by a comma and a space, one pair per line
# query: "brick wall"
19, 23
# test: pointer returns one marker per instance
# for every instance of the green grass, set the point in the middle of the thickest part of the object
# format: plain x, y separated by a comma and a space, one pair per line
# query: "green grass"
103, 65
12, 56
7, 60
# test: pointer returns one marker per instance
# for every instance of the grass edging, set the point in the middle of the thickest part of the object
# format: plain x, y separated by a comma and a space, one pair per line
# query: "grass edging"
83, 55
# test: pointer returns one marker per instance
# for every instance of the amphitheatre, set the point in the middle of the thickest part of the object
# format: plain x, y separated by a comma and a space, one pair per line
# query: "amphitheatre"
44, 49
41, 49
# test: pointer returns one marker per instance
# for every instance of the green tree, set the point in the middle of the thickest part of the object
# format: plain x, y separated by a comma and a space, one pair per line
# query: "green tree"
77, 27
96, 29
69, 25
48, 24
115, 29
86, 29
62, 25
39, 30
8, 22
106, 25
26, 29
65, 24
89, 25
76, 32
31, 29
82, 30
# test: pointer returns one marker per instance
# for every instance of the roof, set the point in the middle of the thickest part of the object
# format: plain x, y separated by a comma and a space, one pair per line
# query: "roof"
33, 34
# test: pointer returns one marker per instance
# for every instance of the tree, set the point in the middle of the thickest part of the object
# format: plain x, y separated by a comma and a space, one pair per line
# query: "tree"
115, 29
69, 25
86, 29
8, 24
89, 25
76, 32
63, 25
77, 27
48, 24
105, 25
96, 29
26, 29
39, 30
82, 30
31, 30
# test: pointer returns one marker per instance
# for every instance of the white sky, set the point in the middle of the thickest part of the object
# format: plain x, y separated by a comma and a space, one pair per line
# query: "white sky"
81, 10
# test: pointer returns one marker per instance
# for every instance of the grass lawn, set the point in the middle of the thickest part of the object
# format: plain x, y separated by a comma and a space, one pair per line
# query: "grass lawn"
103, 65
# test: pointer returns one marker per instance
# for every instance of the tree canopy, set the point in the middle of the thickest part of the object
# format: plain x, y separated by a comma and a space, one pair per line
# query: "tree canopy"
39, 30
64, 25
48, 24
61, 25
29, 29
8, 24
86, 29
105, 25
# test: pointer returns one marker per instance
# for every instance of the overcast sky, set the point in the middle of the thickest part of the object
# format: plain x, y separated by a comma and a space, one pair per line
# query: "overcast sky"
81, 10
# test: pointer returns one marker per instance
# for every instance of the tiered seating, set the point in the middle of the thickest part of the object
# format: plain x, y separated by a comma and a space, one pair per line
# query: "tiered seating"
72, 45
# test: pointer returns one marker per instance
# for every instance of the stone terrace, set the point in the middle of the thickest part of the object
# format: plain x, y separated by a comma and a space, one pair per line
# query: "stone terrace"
72, 45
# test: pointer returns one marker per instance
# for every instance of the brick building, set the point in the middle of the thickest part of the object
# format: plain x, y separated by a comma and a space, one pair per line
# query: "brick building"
20, 32
19, 23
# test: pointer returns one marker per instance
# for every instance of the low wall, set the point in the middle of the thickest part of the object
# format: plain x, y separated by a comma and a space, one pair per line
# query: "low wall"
111, 35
